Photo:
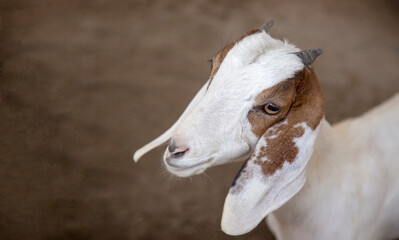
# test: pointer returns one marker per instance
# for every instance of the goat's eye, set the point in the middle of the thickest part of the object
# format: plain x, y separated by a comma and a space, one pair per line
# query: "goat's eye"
271, 108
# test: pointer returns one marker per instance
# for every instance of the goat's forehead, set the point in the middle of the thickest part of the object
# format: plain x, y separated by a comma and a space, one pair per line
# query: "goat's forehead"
251, 45
253, 63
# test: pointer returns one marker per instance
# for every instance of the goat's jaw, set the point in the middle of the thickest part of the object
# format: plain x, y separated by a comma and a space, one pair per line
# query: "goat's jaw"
187, 171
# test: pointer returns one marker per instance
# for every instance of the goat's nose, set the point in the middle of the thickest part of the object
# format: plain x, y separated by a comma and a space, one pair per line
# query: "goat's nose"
176, 151
172, 145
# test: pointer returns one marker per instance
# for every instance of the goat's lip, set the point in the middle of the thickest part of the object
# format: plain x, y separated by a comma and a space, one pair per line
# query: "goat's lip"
186, 166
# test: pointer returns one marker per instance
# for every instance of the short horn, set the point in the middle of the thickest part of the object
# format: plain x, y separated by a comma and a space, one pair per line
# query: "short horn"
308, 56
266, 27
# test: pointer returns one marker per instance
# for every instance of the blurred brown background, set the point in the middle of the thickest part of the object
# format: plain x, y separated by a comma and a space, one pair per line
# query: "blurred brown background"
86, 83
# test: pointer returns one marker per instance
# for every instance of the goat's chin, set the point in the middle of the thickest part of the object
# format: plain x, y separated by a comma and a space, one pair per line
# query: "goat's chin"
186, 172
188, 169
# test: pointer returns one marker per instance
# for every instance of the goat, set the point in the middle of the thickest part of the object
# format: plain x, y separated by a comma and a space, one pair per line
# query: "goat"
263, 104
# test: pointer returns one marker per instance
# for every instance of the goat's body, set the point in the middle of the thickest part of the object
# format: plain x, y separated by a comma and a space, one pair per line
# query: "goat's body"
263, 103
352, 187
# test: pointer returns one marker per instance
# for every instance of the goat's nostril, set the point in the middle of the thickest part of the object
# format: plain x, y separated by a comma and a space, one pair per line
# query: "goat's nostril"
172, 145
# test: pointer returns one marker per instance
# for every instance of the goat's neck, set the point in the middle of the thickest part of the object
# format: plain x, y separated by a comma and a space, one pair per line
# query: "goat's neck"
325, 155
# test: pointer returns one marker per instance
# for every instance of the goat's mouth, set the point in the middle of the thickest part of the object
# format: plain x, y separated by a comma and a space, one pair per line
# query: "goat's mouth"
187, 168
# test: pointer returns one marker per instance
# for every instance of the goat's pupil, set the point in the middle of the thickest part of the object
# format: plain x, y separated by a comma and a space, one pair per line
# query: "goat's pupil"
272, 108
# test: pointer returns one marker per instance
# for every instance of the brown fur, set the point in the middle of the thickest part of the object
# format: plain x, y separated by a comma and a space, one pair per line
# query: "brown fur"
218, 59
280, 149
301, 100
283, 94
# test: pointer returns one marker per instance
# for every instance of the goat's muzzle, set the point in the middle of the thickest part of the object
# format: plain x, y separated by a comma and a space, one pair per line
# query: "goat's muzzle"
175, 150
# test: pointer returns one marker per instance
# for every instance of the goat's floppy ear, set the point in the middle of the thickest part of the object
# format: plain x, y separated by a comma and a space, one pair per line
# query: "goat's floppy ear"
275, 172
168, 134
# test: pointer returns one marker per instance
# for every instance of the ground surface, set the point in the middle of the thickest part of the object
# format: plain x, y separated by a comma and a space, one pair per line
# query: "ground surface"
86, 83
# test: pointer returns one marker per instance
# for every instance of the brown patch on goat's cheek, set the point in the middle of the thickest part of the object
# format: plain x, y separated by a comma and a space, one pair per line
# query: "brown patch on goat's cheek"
218, 59
307, 107
279, 149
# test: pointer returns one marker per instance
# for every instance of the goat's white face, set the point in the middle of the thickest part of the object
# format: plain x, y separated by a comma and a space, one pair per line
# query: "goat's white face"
217, 130
261, 99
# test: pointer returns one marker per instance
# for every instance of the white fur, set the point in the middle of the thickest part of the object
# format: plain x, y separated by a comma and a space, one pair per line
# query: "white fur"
346, 189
